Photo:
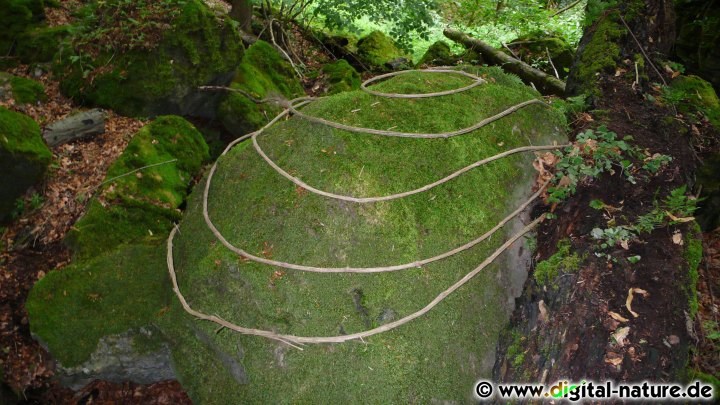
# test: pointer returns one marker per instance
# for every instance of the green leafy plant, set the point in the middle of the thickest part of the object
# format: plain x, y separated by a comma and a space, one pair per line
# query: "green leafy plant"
595, 152
679, 204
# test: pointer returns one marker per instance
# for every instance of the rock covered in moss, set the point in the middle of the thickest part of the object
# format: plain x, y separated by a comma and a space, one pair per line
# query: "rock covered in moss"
438, 54
341, 77
198, 49
24, 158
119, 294
22, 90
378, 50
16, 17
41, 44
263, 73
137, 200
694, 94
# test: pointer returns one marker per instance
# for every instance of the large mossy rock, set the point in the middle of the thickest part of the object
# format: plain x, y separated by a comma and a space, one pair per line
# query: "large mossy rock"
437, 357
263, 73
97, 315
138, 201
24, 158
438, 54
16, 17
698, 39
692, 95
341, 76
198, 49
379, 51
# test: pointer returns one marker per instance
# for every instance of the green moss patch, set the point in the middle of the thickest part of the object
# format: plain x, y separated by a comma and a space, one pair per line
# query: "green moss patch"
438, 54
16, 17
436, 357
692, 95
41, 44
600, 54
561, 262
377, 49
24, 91
24, 157
262, 73
534, 48
71, 309
341, 77
144, 202
197, 49
693, 255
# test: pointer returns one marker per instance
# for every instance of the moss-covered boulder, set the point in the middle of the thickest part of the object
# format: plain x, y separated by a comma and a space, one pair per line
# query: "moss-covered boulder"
379, 51
341, 76
533, 49
16, 17
96, 317
692, 95
437, 357
263, 73
198, 49
144, 188
22, 90
24, 158
41, 44
698, 39
438, 54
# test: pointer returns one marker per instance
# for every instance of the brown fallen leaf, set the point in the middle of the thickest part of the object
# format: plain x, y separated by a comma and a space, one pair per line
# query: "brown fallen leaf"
677, 238
676, 219
629, 300
620, 335
617, 317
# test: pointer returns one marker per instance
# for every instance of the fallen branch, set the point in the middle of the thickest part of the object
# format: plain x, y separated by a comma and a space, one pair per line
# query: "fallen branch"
543, 82
566, 8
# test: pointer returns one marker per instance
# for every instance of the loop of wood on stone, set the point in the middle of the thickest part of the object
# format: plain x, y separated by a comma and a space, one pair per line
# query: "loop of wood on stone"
293, 340
291, 107
477, 81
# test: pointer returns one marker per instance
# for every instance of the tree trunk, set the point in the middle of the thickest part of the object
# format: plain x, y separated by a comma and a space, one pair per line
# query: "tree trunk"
565, 329
544, 83
242, 12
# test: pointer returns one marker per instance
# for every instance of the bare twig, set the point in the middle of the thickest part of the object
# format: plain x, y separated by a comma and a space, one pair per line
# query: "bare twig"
136, 170
566, 8
643, 51
551, 62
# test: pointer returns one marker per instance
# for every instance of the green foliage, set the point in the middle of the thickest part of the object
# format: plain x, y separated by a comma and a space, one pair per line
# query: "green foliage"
41, 44
561, 261
596, 152
595, 8
71, 309
404, 19
24, 158
680, 204
341, 77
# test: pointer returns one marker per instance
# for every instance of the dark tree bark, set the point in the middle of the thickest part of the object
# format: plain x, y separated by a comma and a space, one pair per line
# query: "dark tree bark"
242, 12
565, 329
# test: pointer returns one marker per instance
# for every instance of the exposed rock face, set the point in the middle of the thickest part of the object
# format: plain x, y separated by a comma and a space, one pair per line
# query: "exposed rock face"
24, 158
117, 359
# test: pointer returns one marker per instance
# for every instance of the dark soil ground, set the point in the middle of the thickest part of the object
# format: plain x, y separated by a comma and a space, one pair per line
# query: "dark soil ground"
570, 337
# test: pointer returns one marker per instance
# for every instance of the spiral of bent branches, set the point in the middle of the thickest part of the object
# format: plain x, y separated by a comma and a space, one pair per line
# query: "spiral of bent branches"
295, 340
477, 81
292, 108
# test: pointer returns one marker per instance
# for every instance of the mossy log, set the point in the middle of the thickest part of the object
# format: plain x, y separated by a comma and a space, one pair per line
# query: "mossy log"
544, 83
80, 125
